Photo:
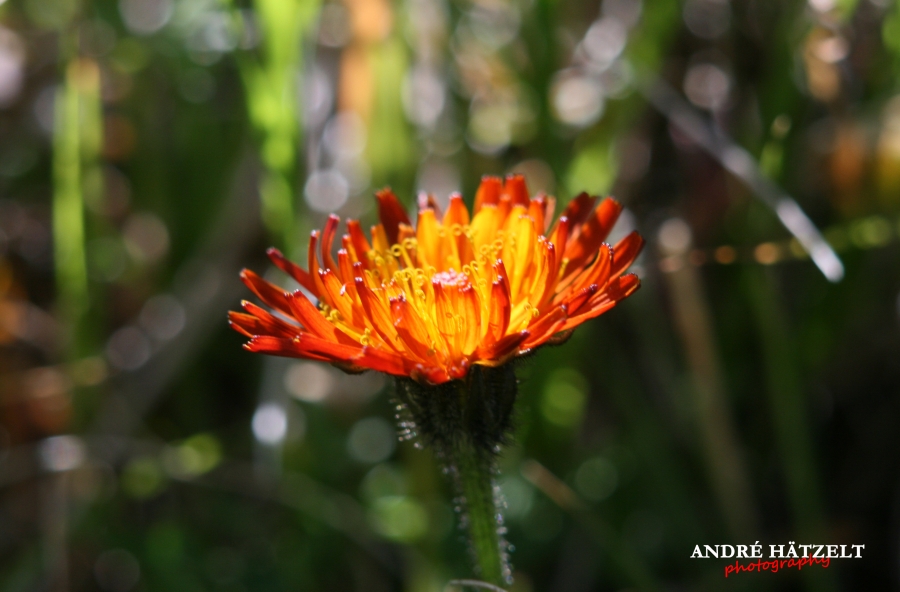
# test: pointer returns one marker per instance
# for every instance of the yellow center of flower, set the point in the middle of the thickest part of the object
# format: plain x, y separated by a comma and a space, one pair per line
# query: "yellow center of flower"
451, 277
450, 287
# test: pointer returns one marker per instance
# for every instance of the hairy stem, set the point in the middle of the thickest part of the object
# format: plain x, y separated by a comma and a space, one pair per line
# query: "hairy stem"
466, 422
481, 519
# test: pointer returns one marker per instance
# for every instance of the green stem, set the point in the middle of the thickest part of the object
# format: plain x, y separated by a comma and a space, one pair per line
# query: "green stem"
476, 483
466, 421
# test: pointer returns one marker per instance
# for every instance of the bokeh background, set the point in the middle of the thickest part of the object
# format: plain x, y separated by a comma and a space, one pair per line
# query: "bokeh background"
150, 149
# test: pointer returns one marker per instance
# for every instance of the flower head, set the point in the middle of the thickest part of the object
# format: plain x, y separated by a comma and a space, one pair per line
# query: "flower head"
428, 302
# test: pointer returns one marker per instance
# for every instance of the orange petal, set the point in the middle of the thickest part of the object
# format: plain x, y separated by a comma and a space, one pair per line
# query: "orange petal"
337, 295
560, 236
504, 207
521, 255
383, 361
580, 298
384, 262
592, 234
622, 287
549, 209
377, 313
446, 311
499, 353
360, 243
578, 210
600, 272
429, 374
546, 326
597, 273
499, 268
380, 241
268, 293
484, 228
308, 346
488, 192
460, 370
544, 286
429, 243
457, 213
271, 324
391, 213
313, 264
499, 313
313, 320
406, 231
626, 251
427, 200
292, 269
345, 271
412, 330
328, 234
595, 310
517, 190
536, 209
245, 324
279, 346
471, 313
618, 289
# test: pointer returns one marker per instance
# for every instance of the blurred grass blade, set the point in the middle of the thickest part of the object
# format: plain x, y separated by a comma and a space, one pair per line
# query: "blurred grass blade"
788, 409
76, 141
270, 83
389, 146
693, 319
741, 164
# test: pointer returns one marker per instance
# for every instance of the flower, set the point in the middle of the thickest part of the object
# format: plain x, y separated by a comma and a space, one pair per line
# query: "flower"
430, 302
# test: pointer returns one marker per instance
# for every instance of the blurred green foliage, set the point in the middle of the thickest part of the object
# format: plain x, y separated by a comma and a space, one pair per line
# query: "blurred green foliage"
150, 149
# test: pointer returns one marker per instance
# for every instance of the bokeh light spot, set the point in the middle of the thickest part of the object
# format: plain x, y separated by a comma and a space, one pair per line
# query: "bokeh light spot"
596, 479
62, 453
144, 17
128, 349
163, 317
564, 398
399, 518
383, 480
577, 99
194, 456
326, 190
309, 381
12, 64
767, 253
146, 237
270, 423
142, 477
707, 86
371, 440
519, 495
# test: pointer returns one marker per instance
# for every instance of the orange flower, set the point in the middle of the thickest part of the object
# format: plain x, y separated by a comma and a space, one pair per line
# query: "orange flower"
429, 302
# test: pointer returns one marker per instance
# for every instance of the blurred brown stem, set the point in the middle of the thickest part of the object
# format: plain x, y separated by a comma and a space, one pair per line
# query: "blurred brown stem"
54, 517
725, 463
